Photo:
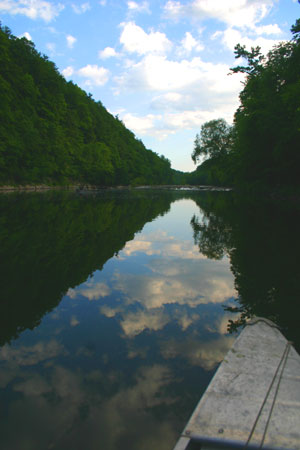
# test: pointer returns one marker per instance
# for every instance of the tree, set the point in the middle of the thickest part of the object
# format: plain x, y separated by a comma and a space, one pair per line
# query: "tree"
296, 29
254, 58
267, 122
53, 132
214, 140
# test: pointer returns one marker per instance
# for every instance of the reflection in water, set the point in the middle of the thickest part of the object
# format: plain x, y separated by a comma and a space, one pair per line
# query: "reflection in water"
53, 241
261, 239
113, 322
109, 333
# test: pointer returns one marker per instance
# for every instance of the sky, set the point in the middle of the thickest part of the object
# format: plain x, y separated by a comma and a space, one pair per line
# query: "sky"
161, 66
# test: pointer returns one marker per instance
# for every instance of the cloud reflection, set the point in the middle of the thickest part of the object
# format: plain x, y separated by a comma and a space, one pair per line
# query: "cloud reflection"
133, 323
175, 274
91, 290
63, 408
31, 355
205, 354
160, 243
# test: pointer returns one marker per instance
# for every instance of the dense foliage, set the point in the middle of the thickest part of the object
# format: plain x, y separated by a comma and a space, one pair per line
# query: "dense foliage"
51, 131
214, 140
268, 121
264, 144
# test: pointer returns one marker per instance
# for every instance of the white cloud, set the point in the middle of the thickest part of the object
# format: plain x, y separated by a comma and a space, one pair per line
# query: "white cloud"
140, 125
68, 71
157, 73
189, 44
34, 9
154, 125
108, 52
95, 75
190, 92
240, 13
174, 9
70, 40
187, 119
136, 40
80, 9
173, 97
231, 37
138, 7
26, 35
268, 29
162, 125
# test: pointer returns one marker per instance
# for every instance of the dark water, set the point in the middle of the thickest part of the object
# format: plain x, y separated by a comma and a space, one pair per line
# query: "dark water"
115, 309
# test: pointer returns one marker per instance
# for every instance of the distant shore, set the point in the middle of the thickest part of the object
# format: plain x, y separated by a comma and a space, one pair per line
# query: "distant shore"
88, 187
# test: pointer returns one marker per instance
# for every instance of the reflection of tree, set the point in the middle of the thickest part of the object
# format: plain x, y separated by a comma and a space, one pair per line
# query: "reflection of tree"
50, 242
210, 236
262, 241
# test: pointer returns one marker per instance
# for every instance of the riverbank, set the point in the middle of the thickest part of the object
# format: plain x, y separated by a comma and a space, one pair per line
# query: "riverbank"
94, 188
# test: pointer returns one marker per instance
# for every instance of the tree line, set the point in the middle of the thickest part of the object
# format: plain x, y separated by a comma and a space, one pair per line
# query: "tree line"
53, 132
262, 147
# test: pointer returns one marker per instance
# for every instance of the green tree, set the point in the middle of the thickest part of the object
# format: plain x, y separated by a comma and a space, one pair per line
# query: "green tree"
254, 58
214, 140
267, 123
296, 28
53, 132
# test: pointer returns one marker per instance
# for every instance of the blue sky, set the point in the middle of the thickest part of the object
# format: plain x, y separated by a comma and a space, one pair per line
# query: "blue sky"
160, 65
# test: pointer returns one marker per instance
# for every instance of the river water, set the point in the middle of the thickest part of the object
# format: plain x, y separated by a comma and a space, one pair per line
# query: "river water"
117, 308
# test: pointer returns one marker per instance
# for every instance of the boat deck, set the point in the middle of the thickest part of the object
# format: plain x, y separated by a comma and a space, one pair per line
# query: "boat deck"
253, 401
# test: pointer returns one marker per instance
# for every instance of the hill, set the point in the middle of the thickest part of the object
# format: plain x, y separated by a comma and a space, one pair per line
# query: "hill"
53, 132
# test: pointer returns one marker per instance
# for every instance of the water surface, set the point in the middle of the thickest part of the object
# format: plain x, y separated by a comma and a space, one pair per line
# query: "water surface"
116, 309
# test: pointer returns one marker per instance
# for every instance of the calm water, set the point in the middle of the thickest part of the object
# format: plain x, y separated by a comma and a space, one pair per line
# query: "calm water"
115, 309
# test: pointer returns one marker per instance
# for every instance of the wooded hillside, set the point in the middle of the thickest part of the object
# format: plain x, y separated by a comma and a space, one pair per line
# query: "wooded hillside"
53, 132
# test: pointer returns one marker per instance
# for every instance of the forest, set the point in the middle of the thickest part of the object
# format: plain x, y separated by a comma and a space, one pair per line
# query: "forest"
262, 147
53, 132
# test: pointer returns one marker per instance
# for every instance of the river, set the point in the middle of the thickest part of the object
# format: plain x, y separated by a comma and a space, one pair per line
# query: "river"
117, 308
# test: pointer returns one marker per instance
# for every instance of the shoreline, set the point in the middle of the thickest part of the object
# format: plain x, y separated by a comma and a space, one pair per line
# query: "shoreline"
95, 188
